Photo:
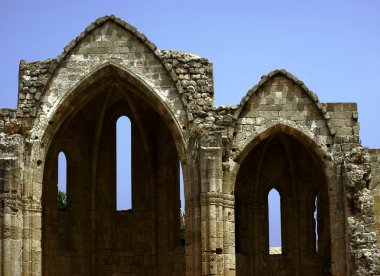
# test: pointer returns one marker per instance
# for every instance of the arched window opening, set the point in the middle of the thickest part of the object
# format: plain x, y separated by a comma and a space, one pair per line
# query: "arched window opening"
274, 222
316, 223
182, 206
123, 164
62, 181
181, 188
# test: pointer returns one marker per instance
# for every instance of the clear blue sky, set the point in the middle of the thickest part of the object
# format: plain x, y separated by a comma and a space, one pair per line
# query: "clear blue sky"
332, 45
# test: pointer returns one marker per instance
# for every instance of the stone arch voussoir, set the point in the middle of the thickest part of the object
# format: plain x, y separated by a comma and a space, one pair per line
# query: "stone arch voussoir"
54, 114
241, 149
301, 134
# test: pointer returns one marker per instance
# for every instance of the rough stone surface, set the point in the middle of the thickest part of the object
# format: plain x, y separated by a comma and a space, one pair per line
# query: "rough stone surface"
375, 187
365, 255
279, 137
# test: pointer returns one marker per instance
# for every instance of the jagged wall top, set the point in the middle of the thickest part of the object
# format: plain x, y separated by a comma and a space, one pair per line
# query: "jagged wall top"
35, 76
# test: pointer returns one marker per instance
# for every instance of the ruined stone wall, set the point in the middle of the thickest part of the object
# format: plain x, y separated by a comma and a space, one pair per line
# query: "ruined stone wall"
111, 68
375, 187
195, 79
361, 232
353, 163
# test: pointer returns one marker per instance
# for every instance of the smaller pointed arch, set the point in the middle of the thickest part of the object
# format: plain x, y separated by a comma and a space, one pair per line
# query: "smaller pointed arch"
242, 148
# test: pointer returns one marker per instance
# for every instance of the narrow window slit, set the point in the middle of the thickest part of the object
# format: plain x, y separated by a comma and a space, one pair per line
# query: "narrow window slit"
316, 223
274, 222
62, 182
182, 206
123, 164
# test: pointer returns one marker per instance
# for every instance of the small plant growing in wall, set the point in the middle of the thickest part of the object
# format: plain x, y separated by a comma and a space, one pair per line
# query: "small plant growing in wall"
62, 200
182, 228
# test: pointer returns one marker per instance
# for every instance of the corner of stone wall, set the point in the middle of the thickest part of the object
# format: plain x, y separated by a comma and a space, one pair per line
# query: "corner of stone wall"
343, 118
355, 163
195, 82
224, 118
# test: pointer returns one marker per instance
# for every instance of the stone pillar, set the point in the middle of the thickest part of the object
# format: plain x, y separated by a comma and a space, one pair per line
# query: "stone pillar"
192, 219
11, 210
230, 170
211, 199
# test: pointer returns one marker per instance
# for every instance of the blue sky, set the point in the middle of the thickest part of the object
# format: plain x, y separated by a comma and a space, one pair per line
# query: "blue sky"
332, 45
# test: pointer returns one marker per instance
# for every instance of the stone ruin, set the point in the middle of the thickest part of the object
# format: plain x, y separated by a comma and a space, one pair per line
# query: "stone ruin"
279, 137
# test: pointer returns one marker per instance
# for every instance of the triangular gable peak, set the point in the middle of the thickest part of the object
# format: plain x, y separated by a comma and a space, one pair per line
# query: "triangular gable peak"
99, 23
266, 79
110, 40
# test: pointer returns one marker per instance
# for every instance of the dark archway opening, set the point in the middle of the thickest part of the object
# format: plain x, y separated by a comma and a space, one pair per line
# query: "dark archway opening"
283, 163
91, 236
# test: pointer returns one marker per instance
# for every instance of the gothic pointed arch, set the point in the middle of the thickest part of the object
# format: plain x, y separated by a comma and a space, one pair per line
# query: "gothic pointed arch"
241, 148
84, 126
108, 43
108, 71
287, 159
114, 77
109, 38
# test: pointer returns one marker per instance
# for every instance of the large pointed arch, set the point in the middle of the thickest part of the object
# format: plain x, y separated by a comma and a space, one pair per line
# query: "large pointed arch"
109, 55
72, 101
89, 33
111, 44
83, 123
